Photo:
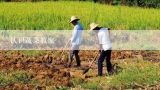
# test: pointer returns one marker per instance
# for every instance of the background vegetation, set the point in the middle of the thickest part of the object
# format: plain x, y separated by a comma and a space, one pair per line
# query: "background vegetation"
142, 3
56, 15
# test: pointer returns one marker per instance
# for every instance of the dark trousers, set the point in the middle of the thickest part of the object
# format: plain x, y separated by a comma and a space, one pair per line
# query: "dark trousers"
72, 54
105, 55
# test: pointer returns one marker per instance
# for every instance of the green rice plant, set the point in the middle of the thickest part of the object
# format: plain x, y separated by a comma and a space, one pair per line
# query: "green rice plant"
56, 15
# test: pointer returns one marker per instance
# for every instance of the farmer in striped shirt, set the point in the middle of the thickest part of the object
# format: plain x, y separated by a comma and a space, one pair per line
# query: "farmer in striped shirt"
75, 41
105, 48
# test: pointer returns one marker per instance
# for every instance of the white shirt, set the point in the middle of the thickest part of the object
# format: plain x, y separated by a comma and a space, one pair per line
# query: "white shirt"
104, 39
76, 38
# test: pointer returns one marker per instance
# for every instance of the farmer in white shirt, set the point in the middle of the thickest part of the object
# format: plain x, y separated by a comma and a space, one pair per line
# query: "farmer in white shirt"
75, 41
105, 48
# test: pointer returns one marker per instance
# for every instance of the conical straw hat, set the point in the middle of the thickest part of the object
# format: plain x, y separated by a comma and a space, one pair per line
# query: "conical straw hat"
93, 26
73, 18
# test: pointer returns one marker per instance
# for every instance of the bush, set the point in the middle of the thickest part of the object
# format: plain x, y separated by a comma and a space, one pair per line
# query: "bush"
143, 3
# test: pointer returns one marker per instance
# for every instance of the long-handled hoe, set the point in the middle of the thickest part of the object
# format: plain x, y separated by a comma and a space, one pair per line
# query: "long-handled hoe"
87, 69
64, 48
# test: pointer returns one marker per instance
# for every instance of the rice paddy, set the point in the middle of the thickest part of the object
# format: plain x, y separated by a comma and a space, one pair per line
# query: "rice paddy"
56, 16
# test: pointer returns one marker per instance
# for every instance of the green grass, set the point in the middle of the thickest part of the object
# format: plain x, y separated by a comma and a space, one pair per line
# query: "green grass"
14, 77
141, 72
56, 15
33, 52
28, 52
134, 73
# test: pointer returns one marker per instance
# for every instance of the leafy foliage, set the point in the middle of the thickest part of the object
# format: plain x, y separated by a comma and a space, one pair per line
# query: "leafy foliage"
141, 3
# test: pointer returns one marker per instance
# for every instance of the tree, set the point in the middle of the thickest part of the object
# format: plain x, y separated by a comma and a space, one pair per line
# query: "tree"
95, 1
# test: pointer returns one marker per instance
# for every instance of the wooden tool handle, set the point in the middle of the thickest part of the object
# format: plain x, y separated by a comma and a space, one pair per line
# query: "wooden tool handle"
93, 60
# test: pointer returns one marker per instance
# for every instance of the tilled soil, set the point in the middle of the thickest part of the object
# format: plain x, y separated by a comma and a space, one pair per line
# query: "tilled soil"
49, 70
38, 67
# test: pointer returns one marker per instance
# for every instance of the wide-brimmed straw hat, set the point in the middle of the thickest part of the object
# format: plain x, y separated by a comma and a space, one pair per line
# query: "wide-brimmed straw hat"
93, 26
73, 18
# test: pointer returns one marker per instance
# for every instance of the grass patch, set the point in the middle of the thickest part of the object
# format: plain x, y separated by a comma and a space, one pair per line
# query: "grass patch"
141, 72
27, 52
33, 52
93, 84
15, 77
135, 72
4, 80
